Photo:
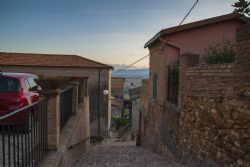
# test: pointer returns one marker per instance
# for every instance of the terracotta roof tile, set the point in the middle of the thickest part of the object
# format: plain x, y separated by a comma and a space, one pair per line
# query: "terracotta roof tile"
48, 60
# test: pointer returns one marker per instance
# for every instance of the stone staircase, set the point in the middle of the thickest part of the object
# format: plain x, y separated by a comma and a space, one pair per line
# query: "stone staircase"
122, 154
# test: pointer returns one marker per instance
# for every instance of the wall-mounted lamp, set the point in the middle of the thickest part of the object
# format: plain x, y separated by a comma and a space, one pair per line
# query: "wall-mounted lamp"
105, 92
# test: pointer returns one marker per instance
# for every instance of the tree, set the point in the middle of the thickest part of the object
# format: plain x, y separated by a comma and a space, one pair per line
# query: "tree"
242, 7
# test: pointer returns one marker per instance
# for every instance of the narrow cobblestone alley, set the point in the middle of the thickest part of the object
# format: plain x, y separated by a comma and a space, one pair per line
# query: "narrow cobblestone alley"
122, 155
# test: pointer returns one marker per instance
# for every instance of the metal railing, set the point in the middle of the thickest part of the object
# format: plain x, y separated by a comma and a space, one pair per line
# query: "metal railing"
23, 136
65, 106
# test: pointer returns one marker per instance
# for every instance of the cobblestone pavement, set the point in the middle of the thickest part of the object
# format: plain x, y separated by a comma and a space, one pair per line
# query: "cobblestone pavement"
122, 155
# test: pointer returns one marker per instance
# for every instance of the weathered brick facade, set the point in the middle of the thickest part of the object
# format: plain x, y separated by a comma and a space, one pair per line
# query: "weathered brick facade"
211, 124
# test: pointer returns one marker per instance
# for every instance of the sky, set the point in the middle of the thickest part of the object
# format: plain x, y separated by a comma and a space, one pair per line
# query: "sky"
108, 31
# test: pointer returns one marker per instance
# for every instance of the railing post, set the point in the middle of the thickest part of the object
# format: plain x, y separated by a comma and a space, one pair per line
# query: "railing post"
53, 117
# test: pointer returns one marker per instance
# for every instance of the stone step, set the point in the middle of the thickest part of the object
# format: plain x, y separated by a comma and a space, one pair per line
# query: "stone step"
122, 155
128, 164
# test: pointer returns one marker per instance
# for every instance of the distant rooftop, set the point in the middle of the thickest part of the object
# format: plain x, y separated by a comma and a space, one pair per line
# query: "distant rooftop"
48, 60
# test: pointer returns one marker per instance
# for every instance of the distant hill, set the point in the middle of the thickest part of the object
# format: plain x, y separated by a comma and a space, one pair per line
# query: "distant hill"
132, 73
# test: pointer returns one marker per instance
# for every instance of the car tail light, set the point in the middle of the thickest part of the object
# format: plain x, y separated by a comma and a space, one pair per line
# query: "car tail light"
21, 99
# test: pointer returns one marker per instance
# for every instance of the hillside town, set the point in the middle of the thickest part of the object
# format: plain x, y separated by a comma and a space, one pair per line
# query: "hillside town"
189, 106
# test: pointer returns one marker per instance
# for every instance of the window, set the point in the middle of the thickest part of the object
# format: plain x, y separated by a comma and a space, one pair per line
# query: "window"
31, 84
155, 86
9, 85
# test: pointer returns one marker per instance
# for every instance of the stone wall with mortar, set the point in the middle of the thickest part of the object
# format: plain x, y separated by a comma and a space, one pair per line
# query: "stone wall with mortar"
214, 118
211, 125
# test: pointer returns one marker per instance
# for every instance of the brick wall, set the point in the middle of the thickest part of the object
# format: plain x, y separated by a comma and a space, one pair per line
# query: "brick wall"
208, 81
211, 125
157, 65
73, 139
143, 112
161, 55
216, 108
145, 93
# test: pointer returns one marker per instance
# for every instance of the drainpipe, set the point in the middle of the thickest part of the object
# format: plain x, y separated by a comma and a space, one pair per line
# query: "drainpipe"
99, 105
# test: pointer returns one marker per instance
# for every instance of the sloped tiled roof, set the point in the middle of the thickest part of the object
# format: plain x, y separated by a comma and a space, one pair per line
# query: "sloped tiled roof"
48, 60
196, 24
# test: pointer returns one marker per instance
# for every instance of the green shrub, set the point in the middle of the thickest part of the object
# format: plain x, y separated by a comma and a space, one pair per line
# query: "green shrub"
95, 139
120, 122
220, 52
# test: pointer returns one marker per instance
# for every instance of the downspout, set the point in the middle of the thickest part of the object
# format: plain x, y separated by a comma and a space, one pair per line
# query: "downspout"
99, 105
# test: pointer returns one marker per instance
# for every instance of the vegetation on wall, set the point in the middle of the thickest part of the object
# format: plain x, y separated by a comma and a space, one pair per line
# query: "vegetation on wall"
223, 52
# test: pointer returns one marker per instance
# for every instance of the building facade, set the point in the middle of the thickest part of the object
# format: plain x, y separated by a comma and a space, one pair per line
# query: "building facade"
207, 124
169, 44
51, 65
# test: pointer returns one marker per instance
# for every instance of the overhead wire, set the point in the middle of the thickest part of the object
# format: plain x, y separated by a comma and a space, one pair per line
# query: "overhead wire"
131, 64
177, 27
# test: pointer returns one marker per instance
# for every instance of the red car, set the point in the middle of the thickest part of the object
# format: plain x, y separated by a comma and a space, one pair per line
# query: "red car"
17, 90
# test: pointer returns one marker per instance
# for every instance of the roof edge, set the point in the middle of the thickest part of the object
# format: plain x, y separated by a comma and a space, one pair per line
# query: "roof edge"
226, 17
46, 54
20, 65
107, 66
